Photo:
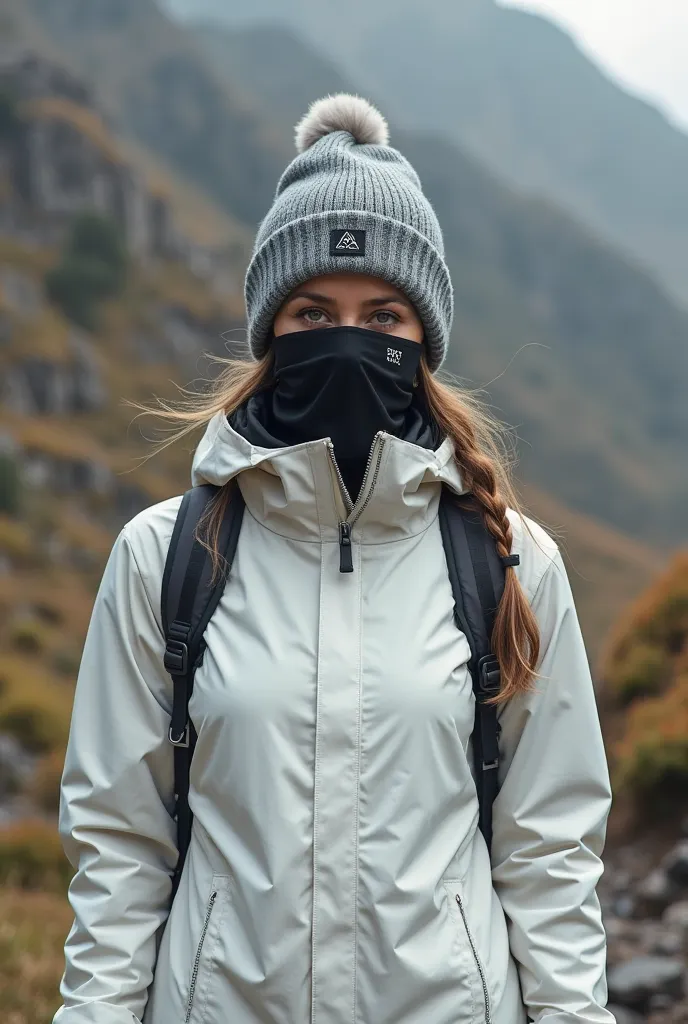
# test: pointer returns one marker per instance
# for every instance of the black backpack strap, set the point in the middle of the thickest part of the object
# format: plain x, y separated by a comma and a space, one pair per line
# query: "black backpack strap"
189, 597
476, 574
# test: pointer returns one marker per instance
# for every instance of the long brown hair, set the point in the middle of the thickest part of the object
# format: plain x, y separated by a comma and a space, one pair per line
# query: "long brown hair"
482, 451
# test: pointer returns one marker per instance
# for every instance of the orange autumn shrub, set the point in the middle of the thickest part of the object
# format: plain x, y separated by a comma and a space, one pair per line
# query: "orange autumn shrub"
651, 758
645, 673
640, 670
658, 619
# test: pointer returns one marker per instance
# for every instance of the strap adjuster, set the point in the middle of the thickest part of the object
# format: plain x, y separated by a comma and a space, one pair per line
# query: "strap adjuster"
176, 657
179, 741
489, 674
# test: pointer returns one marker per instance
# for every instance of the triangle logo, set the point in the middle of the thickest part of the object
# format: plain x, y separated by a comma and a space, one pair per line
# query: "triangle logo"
347, 241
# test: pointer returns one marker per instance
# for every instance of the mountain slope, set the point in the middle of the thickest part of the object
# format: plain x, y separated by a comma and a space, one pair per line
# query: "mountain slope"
200, 219
603, 425
601, 407
517, 92
158, 88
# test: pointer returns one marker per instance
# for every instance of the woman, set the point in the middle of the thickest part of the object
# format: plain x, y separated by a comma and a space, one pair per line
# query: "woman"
336, 872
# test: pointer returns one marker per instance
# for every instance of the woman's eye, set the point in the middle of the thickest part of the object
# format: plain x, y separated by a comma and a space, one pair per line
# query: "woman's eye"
313, 316
385, 318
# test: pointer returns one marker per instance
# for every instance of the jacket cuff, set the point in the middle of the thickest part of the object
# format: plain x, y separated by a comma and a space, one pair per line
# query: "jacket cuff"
95, 1013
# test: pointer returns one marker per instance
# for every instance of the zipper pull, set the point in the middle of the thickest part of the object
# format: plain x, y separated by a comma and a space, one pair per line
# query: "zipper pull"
346, 561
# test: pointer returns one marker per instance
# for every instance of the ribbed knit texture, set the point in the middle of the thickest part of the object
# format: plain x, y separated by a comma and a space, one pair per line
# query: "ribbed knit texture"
341, 184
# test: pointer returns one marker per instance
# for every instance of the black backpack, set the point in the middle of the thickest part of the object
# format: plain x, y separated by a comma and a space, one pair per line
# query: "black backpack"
190, 596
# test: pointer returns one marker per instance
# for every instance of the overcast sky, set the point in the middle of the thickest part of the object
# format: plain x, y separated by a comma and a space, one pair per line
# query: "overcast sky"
644, 43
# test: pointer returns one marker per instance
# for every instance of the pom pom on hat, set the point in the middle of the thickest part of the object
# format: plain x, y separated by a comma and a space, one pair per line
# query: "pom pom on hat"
343, 112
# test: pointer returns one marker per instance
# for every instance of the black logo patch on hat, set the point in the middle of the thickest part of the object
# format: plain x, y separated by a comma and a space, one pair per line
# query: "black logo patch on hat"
347, 243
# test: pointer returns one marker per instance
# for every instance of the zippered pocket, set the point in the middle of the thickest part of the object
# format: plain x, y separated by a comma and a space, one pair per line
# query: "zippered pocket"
454, 893
218, 892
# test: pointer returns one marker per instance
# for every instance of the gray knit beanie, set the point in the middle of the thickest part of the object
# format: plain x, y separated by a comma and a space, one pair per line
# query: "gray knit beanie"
349, 202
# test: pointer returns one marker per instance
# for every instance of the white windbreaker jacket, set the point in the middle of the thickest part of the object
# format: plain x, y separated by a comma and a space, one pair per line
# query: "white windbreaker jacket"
336, 873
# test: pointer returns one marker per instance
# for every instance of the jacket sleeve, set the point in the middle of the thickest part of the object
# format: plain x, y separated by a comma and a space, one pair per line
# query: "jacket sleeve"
550, 821
116, 804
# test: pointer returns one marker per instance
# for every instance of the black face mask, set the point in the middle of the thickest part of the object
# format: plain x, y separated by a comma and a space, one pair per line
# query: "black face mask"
346, 383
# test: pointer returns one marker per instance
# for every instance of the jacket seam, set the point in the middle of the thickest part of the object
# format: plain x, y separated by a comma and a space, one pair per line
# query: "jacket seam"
125, 537
548, 568
427, 524
363, 543
315, 494
210, 973
320, 540
316, 802
466, 955
357, 815
284, 536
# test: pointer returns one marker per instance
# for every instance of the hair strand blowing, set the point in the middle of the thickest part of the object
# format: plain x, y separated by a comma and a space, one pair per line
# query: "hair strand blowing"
478, 445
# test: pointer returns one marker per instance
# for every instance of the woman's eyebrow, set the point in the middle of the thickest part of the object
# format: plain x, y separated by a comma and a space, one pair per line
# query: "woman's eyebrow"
312, 296
379, 300
385, 299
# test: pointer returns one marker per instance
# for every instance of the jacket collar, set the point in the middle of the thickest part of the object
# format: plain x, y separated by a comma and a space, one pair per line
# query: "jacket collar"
294, 491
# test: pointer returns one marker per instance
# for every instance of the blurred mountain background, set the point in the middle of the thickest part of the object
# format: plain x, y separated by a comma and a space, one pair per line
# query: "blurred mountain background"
140, 146
551, 124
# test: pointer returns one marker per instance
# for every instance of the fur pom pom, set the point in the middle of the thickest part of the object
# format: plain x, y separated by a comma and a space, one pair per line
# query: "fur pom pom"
343, 112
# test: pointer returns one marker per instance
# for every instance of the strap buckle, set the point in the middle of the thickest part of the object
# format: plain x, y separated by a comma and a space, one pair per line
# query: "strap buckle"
176, 657
179, 741
489, 674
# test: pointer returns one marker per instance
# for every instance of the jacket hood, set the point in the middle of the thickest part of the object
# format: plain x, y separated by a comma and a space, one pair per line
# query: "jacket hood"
295, 490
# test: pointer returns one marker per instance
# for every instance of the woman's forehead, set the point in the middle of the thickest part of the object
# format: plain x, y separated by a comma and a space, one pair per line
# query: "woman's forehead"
351, 285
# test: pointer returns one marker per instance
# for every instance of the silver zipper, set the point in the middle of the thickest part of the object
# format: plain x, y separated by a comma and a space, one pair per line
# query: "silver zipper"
346, 563
347, 497
349, 503
481, 971
197, 961
364, 506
